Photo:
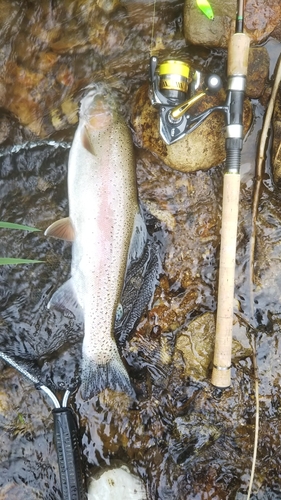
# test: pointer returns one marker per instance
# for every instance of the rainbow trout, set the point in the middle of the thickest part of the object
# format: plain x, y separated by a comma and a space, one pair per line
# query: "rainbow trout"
108, 233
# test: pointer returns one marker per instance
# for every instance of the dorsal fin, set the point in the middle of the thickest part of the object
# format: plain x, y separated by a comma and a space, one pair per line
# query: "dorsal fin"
61, 229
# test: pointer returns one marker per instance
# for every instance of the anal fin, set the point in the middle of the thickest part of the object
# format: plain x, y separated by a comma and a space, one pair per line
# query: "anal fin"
64, 300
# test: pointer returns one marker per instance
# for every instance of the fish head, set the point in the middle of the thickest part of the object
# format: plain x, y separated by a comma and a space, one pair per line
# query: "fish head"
98, 108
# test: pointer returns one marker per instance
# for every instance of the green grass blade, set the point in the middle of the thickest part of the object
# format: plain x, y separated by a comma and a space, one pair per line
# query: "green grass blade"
11, 225
10, 260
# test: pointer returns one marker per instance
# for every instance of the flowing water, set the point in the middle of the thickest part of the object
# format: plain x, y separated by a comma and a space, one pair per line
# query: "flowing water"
183, 438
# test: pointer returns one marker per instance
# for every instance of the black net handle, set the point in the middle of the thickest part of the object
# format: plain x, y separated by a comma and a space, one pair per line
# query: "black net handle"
68, 451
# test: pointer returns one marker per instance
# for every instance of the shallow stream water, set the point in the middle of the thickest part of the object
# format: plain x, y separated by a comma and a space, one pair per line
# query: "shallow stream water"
183, 438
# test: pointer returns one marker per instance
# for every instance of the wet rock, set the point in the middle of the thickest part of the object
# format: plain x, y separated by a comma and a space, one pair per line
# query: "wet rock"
261, 19
199, 30
276, 33
10, 129
190, 443
200, 150
108, 5
26, 426
276, 143
195, 347
118, 483
161, 214
192, 236
26, 100
53, 63
258, 70
5, 128
12, 491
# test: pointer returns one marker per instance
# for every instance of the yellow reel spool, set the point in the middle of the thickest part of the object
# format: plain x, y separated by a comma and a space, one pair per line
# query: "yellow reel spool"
174, 78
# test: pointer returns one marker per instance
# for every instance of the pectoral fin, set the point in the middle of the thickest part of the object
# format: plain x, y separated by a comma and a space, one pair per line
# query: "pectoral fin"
61, 229
85, 139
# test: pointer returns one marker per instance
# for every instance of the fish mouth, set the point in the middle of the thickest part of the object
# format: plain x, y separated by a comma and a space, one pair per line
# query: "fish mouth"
97, 108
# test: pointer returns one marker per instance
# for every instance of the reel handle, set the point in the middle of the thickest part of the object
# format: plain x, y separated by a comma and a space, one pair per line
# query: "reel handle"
68, 451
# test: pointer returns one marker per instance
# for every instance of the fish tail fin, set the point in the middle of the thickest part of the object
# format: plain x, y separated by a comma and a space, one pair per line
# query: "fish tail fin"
97, 377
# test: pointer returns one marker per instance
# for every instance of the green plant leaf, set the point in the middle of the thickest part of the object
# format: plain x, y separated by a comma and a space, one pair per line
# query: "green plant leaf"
11, 260
11, 225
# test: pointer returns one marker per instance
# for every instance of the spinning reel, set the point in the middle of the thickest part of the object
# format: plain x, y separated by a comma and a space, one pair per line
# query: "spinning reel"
175, 88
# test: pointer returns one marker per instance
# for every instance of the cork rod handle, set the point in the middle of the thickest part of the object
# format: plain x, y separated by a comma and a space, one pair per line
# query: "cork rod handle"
238, 54
223, 341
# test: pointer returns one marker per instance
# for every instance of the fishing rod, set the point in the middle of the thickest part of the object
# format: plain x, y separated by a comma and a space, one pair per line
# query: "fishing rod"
175, 88
66, 437
238, 52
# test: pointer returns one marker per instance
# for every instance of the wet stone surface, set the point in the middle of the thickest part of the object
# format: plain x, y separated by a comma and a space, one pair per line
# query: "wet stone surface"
261, 19
202, 149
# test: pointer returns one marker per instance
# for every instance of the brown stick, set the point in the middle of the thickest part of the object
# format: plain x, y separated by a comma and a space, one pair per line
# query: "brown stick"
259, 170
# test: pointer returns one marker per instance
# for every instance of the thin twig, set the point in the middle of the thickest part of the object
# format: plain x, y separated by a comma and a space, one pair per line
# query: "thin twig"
259, 170
277, 152
256, 439
256, 197
250, 328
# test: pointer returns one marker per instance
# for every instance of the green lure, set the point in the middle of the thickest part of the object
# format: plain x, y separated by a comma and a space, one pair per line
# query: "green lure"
206, 8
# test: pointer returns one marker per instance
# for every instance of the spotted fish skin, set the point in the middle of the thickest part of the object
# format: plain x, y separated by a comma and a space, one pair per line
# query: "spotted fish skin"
108, 233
